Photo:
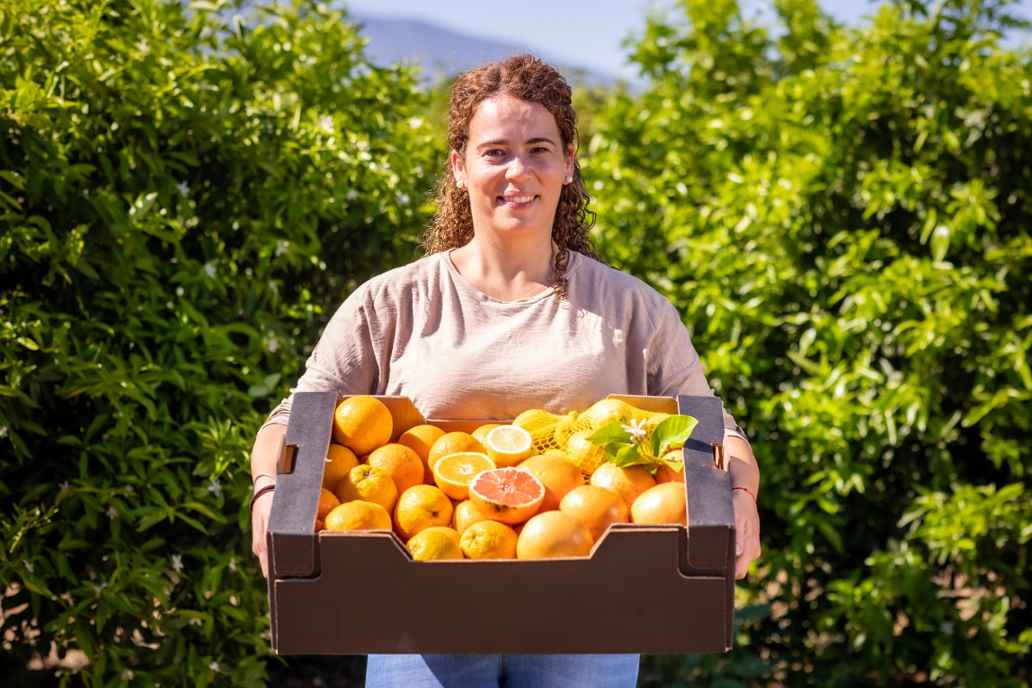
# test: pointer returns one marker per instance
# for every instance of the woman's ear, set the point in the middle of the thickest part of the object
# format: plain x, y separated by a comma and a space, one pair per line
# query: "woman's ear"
569, 164
458, 167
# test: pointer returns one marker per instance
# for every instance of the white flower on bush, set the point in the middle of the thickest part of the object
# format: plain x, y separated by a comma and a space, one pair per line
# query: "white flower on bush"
177, 563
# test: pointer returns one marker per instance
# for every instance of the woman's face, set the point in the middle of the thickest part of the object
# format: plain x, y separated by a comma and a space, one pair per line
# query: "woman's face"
514, 166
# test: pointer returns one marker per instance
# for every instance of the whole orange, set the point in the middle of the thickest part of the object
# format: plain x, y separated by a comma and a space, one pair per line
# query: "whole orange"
362, 423
663, 503
401, 463
666, 474
595, 507
358, 515
370, 484
434, 544
466, 514
327, 502
421, 507
553, 534
419, 439
339, 461
450, 443
557, 473
626, 482
489, 540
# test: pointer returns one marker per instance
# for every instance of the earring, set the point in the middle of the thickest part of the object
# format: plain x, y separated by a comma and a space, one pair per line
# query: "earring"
459, 184
569, 179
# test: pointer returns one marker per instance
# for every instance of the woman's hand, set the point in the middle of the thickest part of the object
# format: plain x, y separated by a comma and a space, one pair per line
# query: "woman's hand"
259, 528
747, 531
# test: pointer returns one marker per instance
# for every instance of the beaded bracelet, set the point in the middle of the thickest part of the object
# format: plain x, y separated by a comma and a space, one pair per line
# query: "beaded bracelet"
746, 490
259, 493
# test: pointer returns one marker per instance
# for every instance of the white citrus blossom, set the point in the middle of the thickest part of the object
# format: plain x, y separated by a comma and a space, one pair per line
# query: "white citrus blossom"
637, 430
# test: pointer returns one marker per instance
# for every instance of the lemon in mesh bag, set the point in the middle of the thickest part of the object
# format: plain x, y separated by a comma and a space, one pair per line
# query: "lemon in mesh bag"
608, 410
583, 452
543, 427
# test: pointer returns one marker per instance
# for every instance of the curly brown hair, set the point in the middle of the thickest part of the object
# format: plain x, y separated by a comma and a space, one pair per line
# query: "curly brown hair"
527, 78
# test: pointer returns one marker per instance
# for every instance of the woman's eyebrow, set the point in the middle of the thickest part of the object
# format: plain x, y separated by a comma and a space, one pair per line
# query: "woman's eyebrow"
505, 142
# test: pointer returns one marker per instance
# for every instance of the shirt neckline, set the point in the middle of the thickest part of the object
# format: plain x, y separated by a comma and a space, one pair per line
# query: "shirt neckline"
465, 284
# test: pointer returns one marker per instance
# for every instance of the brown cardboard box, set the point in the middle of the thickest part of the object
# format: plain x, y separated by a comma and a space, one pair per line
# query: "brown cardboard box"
644, 589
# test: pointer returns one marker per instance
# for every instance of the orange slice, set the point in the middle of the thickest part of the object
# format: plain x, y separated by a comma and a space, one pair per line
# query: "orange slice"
453, 472
507, 445
509, 495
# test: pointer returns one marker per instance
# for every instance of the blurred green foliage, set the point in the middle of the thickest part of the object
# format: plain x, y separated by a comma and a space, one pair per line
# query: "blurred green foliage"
843, 217
187, 190
185, 194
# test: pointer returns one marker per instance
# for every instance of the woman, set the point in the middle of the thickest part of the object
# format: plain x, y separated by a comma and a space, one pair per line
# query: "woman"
509, 310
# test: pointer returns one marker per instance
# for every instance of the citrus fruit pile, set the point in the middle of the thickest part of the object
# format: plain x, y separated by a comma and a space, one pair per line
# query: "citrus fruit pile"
522, 490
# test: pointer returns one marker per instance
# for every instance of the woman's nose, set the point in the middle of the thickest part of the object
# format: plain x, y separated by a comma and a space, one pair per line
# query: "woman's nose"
516, 168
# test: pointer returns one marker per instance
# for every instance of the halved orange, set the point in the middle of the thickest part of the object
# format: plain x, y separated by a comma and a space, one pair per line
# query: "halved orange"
453, 473
507, 445
450, 443
509, 495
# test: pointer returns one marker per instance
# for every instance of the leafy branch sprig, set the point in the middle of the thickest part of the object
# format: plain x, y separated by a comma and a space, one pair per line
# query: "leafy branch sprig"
631, 444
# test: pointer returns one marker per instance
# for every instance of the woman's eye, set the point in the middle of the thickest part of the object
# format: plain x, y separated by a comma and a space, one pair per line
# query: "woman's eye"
494, 152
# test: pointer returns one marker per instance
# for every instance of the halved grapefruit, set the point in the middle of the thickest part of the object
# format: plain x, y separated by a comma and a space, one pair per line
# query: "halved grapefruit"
509, 495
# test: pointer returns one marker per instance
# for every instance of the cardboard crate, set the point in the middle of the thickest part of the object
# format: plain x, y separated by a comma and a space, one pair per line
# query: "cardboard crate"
643, 589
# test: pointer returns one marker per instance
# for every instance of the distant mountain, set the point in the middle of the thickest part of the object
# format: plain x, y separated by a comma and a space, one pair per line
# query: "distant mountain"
441, 52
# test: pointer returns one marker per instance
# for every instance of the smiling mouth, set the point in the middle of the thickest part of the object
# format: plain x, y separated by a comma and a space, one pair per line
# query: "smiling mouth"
520, 201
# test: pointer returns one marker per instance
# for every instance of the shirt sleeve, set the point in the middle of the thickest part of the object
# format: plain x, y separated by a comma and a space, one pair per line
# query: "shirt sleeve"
347, 358
674, 366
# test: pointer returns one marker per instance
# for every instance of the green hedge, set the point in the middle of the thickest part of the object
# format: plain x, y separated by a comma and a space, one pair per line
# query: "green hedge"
843, 217
184, 196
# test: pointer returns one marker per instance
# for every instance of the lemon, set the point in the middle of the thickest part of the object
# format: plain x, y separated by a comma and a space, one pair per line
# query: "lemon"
564, 428
507, 445
584, 453
541, 426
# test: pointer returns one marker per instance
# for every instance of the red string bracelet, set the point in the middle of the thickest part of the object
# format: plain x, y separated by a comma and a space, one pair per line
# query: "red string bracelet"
746, 490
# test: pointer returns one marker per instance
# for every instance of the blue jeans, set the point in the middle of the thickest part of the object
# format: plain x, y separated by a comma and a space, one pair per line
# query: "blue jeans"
495, 671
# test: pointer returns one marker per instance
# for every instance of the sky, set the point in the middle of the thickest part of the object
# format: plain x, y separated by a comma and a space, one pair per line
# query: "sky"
577, 32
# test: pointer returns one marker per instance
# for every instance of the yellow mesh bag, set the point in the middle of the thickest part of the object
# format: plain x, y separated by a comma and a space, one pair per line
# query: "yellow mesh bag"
547, 430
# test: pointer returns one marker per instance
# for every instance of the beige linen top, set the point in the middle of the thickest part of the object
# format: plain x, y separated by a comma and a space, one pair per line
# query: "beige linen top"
423, 331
